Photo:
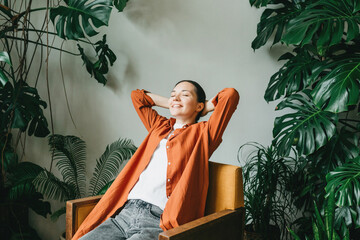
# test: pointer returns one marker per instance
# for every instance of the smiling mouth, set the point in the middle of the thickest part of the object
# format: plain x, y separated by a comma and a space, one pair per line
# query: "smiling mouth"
176, 106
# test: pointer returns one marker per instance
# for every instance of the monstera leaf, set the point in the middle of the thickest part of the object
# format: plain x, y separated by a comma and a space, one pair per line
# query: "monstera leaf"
346, 180
298, 73
274, 19
309, 128
24, 112
120, 4
324, 21
4, 57
101, 66
91, 14
340, 87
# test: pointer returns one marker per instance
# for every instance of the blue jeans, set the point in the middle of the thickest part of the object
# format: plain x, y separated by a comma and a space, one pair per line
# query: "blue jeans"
138, 220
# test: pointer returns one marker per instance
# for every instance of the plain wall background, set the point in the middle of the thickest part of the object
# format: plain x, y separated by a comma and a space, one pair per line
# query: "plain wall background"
158, 43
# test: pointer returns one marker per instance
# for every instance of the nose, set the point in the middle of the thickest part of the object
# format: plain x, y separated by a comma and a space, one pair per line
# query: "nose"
176, 97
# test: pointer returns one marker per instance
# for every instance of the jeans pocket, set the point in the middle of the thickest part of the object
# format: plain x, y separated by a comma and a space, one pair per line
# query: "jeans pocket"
155, 212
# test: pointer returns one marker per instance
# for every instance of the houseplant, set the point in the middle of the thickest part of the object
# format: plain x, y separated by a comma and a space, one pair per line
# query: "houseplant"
267, 202
21, 106
69, 153
319, 84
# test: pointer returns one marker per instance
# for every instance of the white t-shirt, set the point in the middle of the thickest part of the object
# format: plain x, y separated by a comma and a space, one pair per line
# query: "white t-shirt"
151, 186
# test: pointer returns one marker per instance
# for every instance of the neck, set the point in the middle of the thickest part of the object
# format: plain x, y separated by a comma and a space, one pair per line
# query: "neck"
183, 121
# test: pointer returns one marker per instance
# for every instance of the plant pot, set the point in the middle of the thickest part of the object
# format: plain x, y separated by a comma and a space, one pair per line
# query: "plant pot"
272, 234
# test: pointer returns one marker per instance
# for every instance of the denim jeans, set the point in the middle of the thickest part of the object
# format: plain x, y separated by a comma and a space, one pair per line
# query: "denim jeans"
138, 220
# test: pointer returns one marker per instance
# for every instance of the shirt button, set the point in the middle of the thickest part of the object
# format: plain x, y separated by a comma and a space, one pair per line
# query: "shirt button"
168, 196
168, 179
167, 147
169, 163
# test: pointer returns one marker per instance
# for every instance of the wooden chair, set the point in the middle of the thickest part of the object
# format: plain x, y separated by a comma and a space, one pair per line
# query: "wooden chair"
224, 214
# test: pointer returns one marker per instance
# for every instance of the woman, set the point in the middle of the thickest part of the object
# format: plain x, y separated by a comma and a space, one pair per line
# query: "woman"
165, 183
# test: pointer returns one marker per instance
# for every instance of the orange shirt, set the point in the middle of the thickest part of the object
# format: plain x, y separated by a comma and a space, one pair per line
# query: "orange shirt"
188, 152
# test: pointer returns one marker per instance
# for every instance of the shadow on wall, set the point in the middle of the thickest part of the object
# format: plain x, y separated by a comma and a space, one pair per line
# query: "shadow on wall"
124, 71
153, 14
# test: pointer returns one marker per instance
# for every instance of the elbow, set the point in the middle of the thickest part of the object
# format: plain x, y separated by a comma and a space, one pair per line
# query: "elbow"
232, 95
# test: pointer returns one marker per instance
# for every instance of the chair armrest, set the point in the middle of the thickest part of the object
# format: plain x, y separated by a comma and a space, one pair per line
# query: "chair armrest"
76, 212
224, 225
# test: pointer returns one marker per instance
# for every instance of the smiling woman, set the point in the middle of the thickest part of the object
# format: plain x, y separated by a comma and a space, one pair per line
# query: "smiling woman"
165, 178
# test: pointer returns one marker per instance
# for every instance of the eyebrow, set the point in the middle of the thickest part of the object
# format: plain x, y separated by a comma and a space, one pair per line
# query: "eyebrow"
182, 91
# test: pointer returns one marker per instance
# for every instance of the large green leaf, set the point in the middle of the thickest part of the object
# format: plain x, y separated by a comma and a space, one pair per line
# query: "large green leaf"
309, 128
274, 19
70, 154
346, 180
108, 165
79, 17
300, 71
105, 57
4, 57
339, 89
324, 22
21, 107
52, 187
120, 4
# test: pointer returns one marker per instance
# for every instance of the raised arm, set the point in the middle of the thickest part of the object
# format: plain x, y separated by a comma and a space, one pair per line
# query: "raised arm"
143, 102
159, 101
224, 105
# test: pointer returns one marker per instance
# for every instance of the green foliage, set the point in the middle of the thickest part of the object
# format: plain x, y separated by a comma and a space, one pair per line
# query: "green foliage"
323, 23
120, 4
266, 174
70, 155
309, 128
101, 66
76, 18
21, 107
323, 226
319, 85
4, 57
108, 165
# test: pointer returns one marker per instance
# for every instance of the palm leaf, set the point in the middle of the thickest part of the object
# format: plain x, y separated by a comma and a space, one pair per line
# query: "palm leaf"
340, 87
346, 180
299, 72
70, 154
107, 166
52, 187
21, 178
91, 14
324, 21
274, 19
309, 128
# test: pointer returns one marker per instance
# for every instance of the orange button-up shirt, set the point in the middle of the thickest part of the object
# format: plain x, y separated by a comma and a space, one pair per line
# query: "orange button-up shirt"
188, 152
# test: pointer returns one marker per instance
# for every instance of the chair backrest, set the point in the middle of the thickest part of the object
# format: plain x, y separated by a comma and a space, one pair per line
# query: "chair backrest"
225, 188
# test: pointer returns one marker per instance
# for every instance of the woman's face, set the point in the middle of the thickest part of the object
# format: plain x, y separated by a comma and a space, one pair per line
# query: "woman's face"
183, 103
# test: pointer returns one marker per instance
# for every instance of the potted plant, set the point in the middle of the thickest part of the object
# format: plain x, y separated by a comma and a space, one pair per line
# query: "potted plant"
21, 106
319, 83
267, 202
69, 153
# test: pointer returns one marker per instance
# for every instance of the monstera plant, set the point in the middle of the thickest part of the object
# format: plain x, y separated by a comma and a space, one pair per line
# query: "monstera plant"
24, 40
319, 85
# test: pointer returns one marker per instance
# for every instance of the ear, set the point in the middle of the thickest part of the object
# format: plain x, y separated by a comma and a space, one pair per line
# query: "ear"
200, 106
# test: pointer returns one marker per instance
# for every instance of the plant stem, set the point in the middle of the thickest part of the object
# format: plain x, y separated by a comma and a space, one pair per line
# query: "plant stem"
44, 45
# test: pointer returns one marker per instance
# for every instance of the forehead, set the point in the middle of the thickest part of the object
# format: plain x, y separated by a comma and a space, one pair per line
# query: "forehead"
184, 86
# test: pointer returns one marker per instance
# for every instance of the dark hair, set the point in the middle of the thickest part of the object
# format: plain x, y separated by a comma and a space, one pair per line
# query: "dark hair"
200, 93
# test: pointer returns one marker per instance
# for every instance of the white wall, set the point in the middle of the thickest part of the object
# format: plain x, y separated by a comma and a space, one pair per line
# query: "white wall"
159, 42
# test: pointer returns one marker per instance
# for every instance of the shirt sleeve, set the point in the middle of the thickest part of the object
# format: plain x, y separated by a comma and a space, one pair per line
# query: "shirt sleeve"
143, 105
225, 103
